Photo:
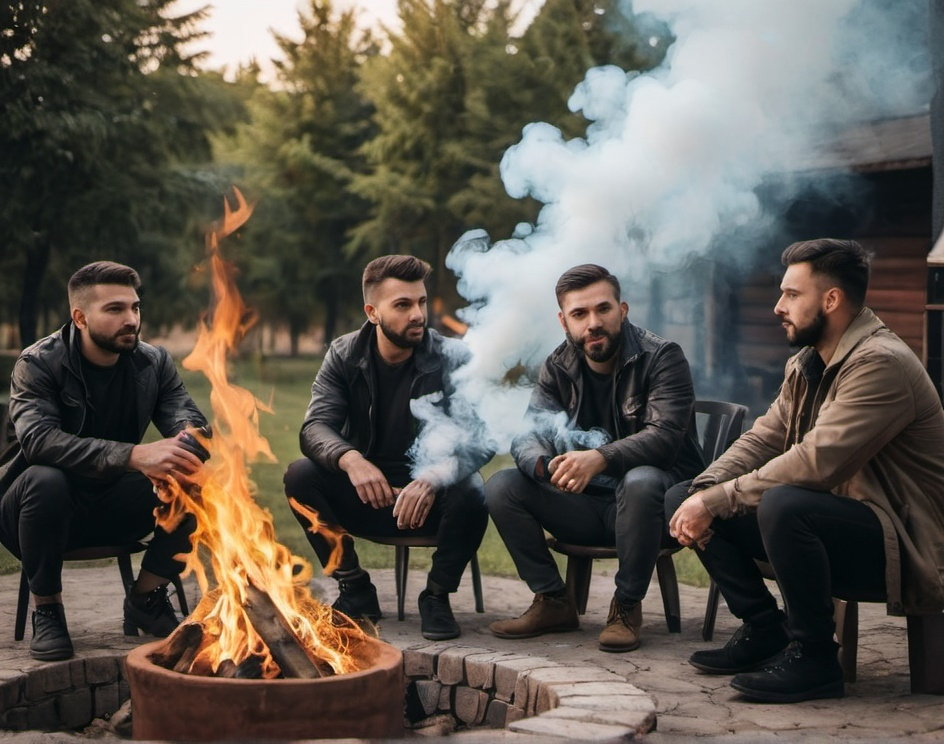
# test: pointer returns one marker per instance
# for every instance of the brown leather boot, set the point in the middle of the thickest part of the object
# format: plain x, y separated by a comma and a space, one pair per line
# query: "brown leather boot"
622, 627
546, 614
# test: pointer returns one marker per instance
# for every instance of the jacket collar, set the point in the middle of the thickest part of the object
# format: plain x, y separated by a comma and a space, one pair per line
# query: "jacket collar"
864, 325
364, 344
570, 357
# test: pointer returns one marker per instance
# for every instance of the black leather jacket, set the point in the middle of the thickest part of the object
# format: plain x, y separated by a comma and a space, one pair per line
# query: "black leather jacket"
654, 407
340, 416
48, 403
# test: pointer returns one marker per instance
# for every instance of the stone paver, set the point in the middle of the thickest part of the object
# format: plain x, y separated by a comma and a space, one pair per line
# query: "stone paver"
688, 705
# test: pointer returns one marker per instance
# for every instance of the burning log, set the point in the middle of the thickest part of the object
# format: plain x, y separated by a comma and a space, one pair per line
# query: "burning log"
271, 626
183, 642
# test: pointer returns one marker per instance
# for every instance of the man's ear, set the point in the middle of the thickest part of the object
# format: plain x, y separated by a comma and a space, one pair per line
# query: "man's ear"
832, 299
371, 313
560, 317
624, 311
78, 317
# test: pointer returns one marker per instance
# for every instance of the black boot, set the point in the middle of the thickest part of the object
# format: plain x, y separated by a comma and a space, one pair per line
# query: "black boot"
749, 648
357, 596
437, 623
799, 673
51, 640
151, 612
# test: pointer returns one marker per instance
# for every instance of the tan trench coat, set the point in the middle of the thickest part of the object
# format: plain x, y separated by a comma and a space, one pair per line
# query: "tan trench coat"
877, 436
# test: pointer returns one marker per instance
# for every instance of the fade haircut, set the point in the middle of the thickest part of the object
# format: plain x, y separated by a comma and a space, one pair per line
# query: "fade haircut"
397, 266
583, 276
100, 272
844, 262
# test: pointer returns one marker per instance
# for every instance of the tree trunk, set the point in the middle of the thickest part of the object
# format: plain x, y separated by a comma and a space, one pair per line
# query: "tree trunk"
37, 261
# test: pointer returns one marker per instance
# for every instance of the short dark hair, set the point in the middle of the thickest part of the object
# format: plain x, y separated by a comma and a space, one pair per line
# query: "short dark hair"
396, 266
101, 272
583, 276
844, 261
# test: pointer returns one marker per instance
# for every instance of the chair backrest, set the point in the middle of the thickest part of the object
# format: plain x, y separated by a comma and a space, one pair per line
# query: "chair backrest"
719, 425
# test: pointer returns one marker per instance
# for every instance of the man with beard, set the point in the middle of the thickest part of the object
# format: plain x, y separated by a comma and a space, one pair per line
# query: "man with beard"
612, 427
77, 475
359, 438
840, 486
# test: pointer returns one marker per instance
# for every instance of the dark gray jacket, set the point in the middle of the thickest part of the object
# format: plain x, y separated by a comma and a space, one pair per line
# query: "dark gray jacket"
340, 416
653, 405
48, 403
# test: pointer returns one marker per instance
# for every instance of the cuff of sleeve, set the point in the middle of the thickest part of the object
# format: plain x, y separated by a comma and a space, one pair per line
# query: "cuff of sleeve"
718, 500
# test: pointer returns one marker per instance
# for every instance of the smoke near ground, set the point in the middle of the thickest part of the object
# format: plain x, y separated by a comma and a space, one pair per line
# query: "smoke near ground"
672, 159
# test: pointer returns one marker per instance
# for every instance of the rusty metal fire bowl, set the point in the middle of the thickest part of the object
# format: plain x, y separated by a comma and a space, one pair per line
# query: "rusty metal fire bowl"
364, 704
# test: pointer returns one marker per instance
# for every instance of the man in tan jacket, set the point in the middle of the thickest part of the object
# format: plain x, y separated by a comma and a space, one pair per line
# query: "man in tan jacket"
839, 486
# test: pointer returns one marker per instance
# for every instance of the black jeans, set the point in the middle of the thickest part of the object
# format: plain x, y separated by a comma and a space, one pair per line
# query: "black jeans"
46, 512
820, 546
632, 518
457, 519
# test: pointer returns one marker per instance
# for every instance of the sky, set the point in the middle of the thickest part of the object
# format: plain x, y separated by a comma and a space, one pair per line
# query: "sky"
242, 29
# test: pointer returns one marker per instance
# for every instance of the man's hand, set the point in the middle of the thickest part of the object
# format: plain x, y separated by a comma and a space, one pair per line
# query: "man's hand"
572, 471
414, 504
369, 482
691, 523
163, 459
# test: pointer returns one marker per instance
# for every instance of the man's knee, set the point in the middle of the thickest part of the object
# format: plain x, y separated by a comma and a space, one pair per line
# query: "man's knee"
468, 494
781, 504
644, 483
46, 488
502, 488
300, 477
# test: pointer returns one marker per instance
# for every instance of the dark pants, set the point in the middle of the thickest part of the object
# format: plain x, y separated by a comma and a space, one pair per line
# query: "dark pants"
820, 546
45, 512
632, 518
457, 519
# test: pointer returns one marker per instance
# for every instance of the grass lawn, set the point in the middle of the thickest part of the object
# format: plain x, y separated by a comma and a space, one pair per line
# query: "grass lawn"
285, 385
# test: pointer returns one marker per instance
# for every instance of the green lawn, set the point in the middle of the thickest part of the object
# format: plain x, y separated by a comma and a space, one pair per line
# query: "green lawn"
285, 384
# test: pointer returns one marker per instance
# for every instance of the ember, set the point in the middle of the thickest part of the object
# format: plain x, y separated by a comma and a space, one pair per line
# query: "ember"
261, 620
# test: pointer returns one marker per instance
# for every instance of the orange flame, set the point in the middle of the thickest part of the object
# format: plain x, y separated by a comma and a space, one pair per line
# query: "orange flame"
233, 533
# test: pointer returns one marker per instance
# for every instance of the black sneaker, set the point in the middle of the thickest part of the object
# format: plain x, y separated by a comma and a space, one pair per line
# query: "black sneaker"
795, 675
51, 640
357, 598
748, 649
151, 612
437, 622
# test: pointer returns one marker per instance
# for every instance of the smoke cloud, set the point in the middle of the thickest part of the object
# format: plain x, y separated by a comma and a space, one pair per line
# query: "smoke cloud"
672, 159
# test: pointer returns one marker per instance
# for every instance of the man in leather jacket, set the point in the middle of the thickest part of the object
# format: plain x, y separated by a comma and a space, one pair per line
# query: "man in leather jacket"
612, 428
364, 470
77, 475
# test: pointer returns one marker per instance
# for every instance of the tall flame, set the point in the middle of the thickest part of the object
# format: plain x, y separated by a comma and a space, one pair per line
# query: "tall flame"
233, 533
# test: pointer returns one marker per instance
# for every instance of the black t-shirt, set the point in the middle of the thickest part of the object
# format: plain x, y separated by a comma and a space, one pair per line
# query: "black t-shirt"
111, 413
395, 428
596, 408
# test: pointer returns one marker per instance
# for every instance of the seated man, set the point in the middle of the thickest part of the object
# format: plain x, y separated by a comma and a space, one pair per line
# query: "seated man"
77, 475
613, 428
840, 486
357, 438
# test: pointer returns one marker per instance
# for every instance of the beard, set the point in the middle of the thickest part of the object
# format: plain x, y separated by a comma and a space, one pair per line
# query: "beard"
118, 343
601, 354
810, 334
402, 340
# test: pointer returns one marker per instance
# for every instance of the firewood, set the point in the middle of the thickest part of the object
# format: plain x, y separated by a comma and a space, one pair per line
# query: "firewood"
186, 636
277, 634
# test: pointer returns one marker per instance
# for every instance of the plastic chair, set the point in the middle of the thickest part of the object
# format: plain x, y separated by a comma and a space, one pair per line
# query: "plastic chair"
122, 552
402, 566
719, 424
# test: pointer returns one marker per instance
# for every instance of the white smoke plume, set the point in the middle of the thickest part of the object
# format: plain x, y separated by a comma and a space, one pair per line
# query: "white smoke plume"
671, 160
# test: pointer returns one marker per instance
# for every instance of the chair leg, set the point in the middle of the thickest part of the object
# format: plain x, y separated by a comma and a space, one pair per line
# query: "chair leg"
402, 565
127, 575
22, 607
925, 653
477, 583
578, 580
181, 595
711, 612
668, 584
846, 615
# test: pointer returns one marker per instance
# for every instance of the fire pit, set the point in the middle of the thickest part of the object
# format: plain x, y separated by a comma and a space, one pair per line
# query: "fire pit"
175, 706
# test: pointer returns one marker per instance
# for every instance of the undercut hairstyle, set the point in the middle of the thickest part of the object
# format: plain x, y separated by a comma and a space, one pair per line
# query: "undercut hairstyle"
100, 272
583, 276
397, 266
844, 262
